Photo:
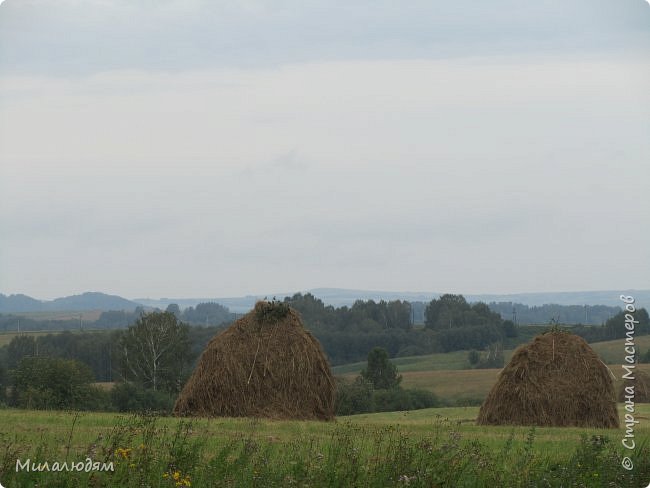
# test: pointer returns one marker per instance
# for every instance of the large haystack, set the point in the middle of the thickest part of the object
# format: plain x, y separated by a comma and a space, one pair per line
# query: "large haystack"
556, 380
265, 365
641, 383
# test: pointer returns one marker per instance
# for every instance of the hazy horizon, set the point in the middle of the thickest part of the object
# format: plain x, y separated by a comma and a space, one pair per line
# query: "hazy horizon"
213, 149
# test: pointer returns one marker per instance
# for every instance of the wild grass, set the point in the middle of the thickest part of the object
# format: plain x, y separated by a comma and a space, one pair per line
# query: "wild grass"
434, 447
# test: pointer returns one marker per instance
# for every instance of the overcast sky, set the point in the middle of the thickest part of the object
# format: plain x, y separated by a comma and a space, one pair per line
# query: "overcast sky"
219, 148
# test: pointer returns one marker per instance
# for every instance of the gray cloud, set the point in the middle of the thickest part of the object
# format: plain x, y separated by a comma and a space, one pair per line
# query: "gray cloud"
74, 36
192, 148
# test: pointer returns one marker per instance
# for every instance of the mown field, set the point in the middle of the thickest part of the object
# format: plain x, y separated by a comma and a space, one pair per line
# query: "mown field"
363, 450
611, 352
447, 376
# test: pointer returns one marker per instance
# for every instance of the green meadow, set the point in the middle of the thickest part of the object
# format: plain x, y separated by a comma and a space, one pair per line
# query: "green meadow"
447, 374
437, 447
433, 447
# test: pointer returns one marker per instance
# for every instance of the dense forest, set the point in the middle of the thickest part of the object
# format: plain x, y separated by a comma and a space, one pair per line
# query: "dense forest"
363, 315
203, 314
347, 334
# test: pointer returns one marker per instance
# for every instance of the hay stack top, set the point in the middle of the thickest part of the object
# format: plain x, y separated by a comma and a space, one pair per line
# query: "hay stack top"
266, 364
557, 380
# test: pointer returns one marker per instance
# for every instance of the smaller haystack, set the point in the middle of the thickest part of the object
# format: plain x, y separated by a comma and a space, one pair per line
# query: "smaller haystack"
641, 383
556, 380
264, 365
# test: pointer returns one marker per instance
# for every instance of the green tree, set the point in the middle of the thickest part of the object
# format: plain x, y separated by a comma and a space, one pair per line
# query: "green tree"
381, 372
509, 328
156, 351
453, 311
353, 396
127, 397
400, 399
97, 349
446, 312
615, 327
53, 383
19, 347
207, 314
174, 308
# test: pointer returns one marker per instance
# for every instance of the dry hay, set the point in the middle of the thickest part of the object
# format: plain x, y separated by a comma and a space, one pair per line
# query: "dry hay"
641, 383
264, 365
556, 380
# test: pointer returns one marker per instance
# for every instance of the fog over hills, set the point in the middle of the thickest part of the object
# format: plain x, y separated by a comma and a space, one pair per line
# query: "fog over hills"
85, 301
340, 297
331, 296
471, 145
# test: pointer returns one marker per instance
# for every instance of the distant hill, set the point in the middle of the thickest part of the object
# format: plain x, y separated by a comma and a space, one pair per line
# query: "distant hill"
331, 296
234, 304
20, 304
85, 301
339, 297
606, 297
92, 301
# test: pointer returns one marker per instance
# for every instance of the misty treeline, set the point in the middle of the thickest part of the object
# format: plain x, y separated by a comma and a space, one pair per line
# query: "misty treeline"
347, 334
149, 362
209, 313
203, 314
40, 370
212, 313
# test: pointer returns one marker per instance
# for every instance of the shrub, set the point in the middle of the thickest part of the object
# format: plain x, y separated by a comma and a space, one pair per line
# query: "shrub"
129, 397
401, 399
353, 396
381, 372
358, 396
53, 383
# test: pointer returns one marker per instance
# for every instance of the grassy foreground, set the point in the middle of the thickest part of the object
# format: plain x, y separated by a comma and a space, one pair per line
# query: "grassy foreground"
434, 447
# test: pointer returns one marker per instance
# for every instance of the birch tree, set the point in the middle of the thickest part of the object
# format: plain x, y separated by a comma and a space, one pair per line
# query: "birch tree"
156, 351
